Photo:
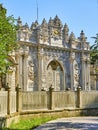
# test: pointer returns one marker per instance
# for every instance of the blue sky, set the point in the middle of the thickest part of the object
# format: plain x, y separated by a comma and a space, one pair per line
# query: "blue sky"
78, 14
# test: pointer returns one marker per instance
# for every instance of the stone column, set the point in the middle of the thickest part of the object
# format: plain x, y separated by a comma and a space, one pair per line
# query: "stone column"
71, 73
64, 80
21, 68
8, 98
79, 97
88, 75
82, 73
39, 69
51, 97
25, 71
18, 99
17, 69
43, 74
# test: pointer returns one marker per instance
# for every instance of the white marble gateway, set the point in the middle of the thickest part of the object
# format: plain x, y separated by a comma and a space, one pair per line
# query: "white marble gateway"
50, 56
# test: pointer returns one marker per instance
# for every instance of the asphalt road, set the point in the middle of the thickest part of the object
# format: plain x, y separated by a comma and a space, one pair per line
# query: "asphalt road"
73, 123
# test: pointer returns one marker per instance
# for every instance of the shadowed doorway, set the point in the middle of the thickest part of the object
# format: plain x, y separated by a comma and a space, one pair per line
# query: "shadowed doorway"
55, 75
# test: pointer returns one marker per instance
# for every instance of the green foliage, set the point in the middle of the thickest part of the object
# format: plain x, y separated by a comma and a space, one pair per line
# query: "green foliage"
7, 38
94, 50
28, 124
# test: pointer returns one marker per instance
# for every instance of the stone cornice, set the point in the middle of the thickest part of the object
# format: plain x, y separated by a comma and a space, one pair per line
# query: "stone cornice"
52, 47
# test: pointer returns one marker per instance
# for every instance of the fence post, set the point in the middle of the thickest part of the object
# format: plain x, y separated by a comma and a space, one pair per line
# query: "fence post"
8, 89
18, 98
51, 97
78, 97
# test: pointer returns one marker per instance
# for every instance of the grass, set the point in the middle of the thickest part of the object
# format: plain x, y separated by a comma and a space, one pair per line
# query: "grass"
28, 124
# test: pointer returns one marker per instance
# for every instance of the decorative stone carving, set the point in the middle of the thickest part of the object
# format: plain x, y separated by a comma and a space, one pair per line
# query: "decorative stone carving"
57, 22
19, 22
49, 77
76, 75
65, 35
30, 73
34, 25
82, 36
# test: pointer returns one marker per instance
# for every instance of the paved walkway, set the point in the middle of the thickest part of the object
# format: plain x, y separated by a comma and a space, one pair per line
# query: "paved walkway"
73, 123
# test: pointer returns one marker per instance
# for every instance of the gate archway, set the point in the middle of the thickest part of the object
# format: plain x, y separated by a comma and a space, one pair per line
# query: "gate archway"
55, 75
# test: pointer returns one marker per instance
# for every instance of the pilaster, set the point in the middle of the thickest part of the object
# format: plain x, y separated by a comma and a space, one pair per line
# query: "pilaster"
21, 68
17, 56
88, 74
71, 72
25, 71
43, 71
39, 68
83, 72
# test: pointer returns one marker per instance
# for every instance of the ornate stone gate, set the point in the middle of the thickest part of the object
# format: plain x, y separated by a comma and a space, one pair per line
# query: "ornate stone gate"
49, 55
53, 54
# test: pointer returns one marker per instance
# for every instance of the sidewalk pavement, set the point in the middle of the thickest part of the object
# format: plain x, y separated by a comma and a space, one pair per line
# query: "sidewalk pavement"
72, 123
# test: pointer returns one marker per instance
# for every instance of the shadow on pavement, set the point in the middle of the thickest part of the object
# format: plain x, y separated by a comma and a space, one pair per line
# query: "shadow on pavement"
69, 126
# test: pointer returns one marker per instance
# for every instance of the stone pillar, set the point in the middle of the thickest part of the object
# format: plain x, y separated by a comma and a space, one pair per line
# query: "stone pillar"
39, 69
21, 68
71, 73
25, 71
64, 83
83, 72
8, 98
79, 97
17, 69
18, 99
88, 76
51, 97
43, 72
92, 78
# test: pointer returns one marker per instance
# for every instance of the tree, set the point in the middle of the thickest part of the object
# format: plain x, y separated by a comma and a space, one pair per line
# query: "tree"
94, 50
7, 38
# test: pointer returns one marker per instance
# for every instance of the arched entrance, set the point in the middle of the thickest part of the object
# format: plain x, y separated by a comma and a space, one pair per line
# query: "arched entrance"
55, 75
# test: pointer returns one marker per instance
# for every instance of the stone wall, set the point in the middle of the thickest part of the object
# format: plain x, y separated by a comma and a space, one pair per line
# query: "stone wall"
3, 103
89, 99
52, 100
68, 103
35, 100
